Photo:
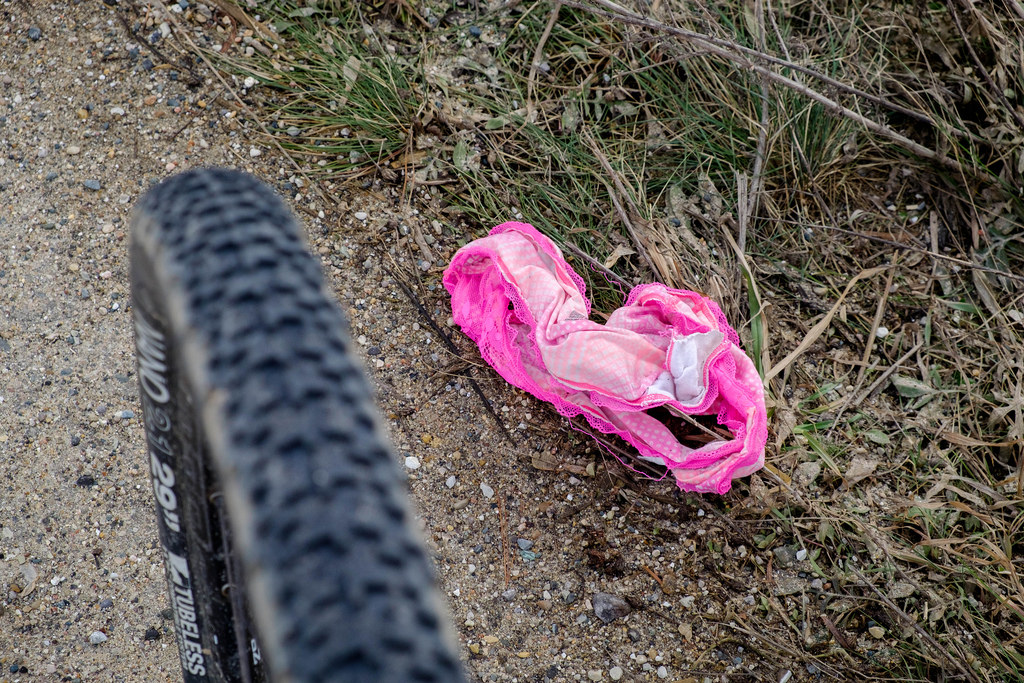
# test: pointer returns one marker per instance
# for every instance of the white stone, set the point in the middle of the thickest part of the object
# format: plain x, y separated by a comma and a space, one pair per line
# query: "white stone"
615, 673
412, 462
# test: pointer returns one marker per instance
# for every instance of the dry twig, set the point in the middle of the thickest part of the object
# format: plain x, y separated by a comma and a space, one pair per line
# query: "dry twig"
993, 88
743, 56
619, 190
912, 623
447, 341
753, 189
869, 345
538, 55
821, 326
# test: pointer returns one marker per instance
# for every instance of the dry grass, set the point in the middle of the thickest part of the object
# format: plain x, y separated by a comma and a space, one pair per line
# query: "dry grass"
844, 177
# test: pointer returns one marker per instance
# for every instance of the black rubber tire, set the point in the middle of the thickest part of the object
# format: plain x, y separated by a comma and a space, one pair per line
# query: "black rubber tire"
282, 511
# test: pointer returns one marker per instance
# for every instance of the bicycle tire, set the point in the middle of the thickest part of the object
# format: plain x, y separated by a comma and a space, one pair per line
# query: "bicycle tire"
281, 510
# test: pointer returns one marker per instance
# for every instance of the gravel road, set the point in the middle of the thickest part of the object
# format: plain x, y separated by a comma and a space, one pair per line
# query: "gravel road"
86, 124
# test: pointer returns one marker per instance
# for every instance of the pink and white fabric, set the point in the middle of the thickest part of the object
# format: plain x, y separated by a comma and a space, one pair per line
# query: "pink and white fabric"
527, 310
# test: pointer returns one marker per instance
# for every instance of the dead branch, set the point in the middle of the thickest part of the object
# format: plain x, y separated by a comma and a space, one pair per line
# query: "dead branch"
743, 56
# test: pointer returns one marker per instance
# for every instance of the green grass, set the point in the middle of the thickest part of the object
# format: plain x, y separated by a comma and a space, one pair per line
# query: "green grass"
365, 90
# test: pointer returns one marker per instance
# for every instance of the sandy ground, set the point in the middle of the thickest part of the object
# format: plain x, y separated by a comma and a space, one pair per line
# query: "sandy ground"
521, 551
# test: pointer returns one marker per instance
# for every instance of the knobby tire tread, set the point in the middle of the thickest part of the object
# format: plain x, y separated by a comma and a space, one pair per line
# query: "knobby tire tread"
341, 587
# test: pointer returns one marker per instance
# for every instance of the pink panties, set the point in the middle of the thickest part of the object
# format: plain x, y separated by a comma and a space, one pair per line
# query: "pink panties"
516, 297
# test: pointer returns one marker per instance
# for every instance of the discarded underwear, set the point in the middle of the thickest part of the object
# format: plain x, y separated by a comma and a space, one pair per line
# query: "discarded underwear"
666, 351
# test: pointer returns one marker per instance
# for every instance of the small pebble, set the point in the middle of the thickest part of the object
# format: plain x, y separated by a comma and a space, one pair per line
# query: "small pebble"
253, 152
876, 632
412, 462
34, 33
106, 603
450, 482
509, 595
615, 673
72, 149
475, 31
361, 215
595, 675
486, 490
785, 556
97, 637
662, 672
93, 185
801, 555
524, 543
882, 332
117, 111
610, 607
